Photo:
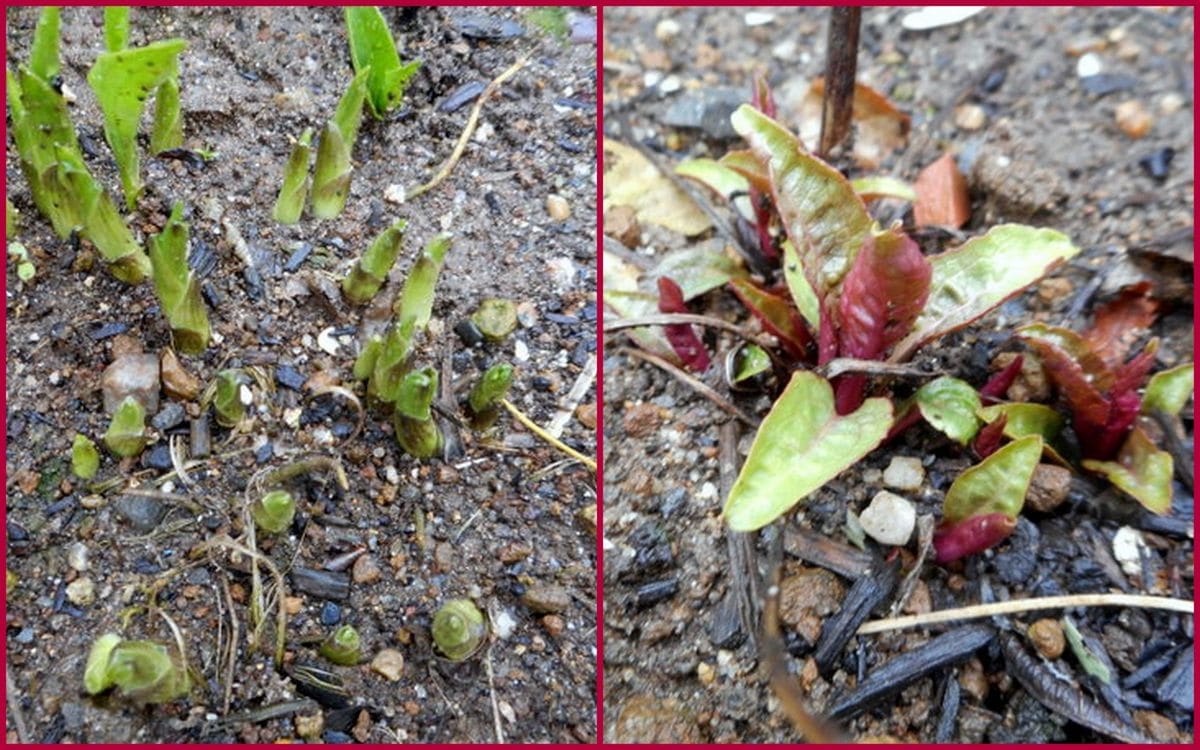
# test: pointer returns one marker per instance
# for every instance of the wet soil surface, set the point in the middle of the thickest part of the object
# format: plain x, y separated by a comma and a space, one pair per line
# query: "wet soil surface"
678, 665
503, 521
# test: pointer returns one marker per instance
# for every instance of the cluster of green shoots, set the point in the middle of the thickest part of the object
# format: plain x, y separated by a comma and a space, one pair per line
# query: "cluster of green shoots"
379, 83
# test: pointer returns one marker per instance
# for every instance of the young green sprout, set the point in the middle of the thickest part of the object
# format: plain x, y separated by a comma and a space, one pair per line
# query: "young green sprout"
373, 49
417, 431
290, 203
43, 59
391, 363
122, 80
496, 319
331, 176
167, 131
343, 646
365, 364
126, 434
274, 511
116, 27
484, 400
371, 270
144, 671
229, 400
85, 459
177, 288
25, 268
11, 215
416, 298
459, 629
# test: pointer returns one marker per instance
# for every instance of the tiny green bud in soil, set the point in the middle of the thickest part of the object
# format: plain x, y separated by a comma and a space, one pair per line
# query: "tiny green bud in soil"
343, 646
416, 298
274, 511
177, 288
85, 459
25, 268
227, 399
417, 431
11, 214
96, 678
459, 629
484, 400
126, 434
290, 203
496, 319
146, 672
371, 270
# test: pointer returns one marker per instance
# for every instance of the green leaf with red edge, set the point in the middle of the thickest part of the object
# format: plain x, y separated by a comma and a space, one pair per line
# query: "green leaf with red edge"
824, 218
697, 269
1168, 391
874, 188
1141, 470
1117, 324
950, 404
801, 445
997, 485
972, 280
778, 315
1075, 383
1073, 345
882, 295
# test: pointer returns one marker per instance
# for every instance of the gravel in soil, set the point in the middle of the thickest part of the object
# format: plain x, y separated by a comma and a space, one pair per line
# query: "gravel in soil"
677, 666
404, 536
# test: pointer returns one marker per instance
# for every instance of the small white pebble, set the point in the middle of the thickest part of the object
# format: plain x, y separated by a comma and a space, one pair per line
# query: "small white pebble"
77, 556
667, 29
904, 473
1127, 545
520, 351
504, 624
1088, 65
889, 519
670, 85
758, 18
327, 342
394, 194
81, 591
391, 474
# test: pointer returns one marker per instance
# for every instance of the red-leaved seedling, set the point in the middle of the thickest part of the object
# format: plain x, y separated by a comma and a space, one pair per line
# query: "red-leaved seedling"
682, 337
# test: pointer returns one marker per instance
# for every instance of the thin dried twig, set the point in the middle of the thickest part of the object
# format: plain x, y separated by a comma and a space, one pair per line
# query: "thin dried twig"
582, 385
841, 66
14, 705
536, 430
448, 166
487, 662
698, 386
977, 611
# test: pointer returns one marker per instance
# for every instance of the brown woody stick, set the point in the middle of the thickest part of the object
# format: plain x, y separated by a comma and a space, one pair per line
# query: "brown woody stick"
841, 67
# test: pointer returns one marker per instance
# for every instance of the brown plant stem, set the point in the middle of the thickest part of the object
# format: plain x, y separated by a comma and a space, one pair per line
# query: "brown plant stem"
841, 67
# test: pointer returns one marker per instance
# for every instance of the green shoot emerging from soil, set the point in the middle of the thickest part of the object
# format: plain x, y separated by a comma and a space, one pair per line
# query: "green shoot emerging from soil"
11, 217
274, 511
416, 298
417, 431
294, 192
495, 319
123, 80
144, 671
43, 59
177, 288
85, 459
116, 27
459, 629
228, 398
373, 49
484, 400
126, 434
331, 176
167, 131
370, 272
343, 646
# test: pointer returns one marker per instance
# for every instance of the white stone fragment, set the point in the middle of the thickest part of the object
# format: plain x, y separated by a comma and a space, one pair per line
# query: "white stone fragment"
1127, 545
889, 519
938, 16
1088, 65
904, 473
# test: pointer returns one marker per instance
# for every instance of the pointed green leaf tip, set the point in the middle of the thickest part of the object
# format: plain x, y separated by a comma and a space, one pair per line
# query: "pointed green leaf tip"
373, 50
167, 132
950, 404
331, 176
801, 445
290, 203
416, 298
370, 272
43, 59
997, 485
126, 434
177, 288
85, 459
116, 27
1169, 390
484, 399
123, 80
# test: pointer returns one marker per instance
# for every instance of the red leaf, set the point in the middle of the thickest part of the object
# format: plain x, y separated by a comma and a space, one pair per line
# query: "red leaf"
975, 534
778, 314
942, 198
682, 337
1103, 443
827, 344
987, 440
882, 295
1132, 374
999, 383
762, 99
1089, 408
1117, 324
